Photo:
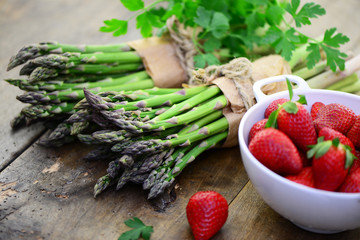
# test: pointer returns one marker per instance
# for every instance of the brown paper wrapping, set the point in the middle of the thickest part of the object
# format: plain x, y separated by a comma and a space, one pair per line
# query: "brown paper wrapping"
160, 61
273, 65
234, 111
269, 66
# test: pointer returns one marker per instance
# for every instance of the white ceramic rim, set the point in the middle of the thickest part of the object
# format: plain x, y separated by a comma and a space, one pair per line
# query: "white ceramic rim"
246, 151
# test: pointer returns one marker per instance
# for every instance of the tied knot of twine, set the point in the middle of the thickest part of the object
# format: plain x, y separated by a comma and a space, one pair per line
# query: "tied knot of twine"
239, 70
184, 46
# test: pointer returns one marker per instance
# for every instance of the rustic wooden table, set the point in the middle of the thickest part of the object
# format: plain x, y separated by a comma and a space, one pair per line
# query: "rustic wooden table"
47, 193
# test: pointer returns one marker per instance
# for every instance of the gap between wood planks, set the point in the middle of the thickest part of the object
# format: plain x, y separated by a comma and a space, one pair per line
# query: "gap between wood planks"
22, 150
238, 193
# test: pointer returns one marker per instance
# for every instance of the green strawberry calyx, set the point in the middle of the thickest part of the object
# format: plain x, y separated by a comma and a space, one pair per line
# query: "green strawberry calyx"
289, 106
322, 147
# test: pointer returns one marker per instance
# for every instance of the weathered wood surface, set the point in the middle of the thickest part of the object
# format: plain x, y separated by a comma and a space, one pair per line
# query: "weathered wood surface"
47, 193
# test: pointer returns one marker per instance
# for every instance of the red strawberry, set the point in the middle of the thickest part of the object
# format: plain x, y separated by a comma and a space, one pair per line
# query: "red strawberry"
305, 160
315, 108
357, 154
330, 134
295, 121
276, 151
352, 182
335, 116
331, 162
274, 105
354, 132
355, 165
206, 212
305, 177
260, 125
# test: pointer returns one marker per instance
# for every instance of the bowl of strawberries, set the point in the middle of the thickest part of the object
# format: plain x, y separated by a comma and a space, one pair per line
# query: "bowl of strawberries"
300, 149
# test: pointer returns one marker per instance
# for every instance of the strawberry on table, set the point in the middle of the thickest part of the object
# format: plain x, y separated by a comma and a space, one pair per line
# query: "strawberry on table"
305, 177
315, 109
336, 116
276, 151
274, 105
331, 163
354, 132
206, 212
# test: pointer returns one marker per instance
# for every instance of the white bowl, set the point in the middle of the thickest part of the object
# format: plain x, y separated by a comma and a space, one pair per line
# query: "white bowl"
311, 209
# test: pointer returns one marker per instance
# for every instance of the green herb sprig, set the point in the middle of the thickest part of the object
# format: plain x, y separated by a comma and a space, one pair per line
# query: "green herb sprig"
241, 26
139, 230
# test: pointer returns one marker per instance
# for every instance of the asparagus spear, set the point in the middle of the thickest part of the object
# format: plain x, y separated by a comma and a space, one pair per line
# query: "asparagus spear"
348, 81
159, 172
160, 100
70, 60
45, 111
41, 97
195, 113
153, 146
59, 137
43, 73
56, 85
35, 50
169, 174
189, 103
103, 183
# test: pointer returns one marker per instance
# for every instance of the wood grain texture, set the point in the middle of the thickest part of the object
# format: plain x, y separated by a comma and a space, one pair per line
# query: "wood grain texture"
47, 193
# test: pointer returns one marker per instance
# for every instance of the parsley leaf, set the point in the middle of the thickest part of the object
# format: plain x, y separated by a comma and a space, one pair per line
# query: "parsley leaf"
201, 60
212, 44
334, 58
309, 10
140, 230
119, 27
314, 55
143, 22
274, 14
203, 17
286, 45
334, 40
219, 24
176, 9
133, 5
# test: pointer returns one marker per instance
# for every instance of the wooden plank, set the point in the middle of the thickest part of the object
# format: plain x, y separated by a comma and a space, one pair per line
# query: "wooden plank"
56, 194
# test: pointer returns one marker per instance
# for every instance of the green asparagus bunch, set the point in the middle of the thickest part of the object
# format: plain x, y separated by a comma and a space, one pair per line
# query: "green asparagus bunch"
56, 74
150, 137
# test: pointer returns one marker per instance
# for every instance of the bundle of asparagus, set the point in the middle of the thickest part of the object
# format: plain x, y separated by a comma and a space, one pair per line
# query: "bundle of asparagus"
57, 73
150, 141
